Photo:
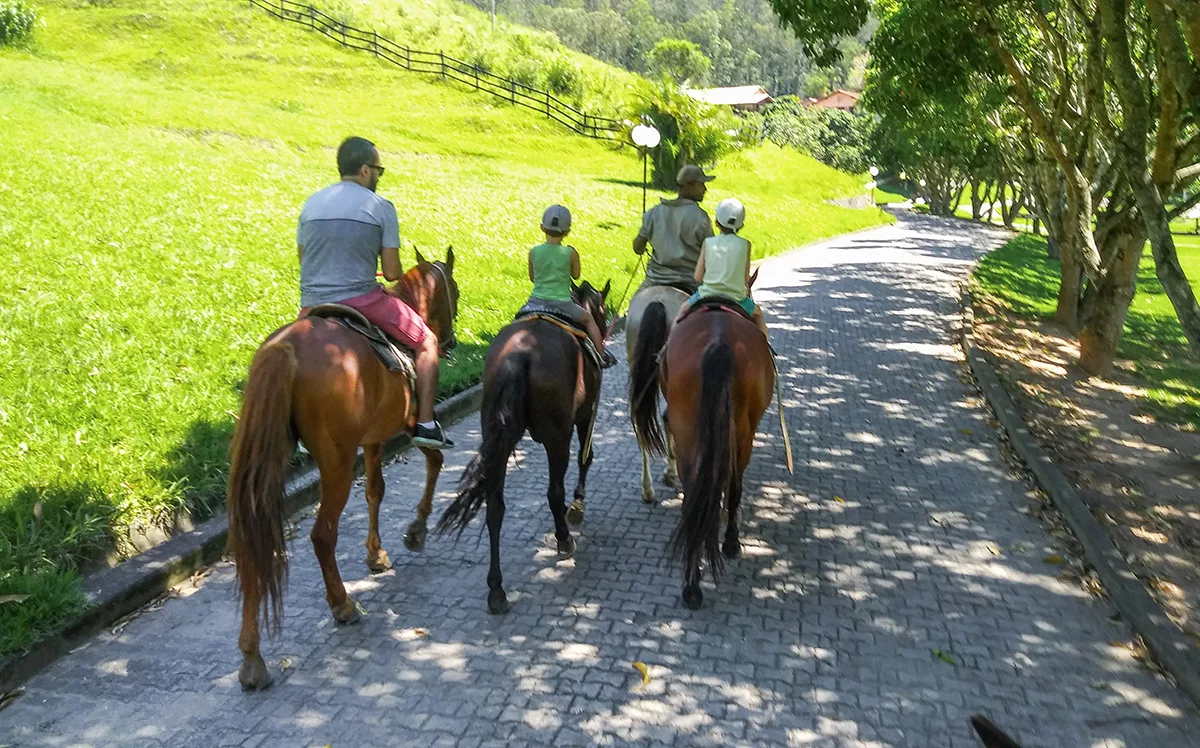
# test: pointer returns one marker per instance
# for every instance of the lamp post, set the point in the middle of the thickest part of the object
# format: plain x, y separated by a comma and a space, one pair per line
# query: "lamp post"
872, 183
645, 137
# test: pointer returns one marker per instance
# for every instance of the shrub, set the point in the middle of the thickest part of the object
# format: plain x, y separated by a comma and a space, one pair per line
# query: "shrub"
16, 21
563, 76
692, 132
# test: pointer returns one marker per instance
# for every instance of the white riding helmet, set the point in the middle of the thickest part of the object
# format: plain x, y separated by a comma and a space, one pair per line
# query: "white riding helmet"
731, 213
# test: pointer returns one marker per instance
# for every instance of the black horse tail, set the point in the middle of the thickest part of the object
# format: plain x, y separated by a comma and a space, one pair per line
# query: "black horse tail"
696, 537
503, 424
643, 379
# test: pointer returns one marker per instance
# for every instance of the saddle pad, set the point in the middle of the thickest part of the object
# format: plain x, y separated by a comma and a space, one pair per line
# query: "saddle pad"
393, 355
566, 324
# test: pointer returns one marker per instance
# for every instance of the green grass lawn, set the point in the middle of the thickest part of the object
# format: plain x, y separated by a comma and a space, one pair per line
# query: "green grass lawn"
153, 160
1023, 280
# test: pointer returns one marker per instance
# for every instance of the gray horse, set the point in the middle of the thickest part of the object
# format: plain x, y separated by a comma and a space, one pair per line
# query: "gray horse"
648, 323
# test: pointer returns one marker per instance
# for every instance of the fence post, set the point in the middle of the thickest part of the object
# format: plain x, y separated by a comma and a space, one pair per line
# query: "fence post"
375, 42
476, 69
547, 102
407, 58
312, 17
344, 33
512, 86
442, 57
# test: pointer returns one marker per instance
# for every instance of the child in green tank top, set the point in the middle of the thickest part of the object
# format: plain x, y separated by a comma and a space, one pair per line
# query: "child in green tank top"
724, 266
552, 267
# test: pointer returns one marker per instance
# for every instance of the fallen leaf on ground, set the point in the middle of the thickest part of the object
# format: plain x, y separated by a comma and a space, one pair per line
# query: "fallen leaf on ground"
1054, 559
966, 432
417, 631
285, 663
645, 671
993, 549
839, 499
948, 659
11, 696
13, 598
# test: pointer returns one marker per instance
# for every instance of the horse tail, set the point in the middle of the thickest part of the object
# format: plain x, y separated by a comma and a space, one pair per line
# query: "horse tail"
503, 424
643, 379
263, 444
696, 537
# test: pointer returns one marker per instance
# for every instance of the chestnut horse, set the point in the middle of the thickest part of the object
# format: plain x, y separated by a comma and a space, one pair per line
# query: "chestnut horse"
717, 374
537, 378
318, 382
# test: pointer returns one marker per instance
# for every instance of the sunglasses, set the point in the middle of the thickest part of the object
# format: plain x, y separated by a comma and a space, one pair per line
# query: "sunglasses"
380, 169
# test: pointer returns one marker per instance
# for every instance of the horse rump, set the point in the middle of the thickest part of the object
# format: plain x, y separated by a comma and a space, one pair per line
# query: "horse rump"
643, 379
503, 424
712, 466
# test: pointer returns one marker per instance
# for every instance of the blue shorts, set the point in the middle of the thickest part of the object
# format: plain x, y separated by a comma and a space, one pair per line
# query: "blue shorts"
747, 304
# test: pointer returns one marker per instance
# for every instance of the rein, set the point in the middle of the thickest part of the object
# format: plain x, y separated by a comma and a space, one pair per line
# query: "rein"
641, 259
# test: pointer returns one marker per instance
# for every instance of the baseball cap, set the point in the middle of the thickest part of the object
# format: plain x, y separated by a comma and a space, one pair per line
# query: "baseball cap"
557, 219
692, 173
731, 213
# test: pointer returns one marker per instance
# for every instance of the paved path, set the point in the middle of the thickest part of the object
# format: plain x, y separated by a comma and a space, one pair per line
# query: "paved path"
875, 554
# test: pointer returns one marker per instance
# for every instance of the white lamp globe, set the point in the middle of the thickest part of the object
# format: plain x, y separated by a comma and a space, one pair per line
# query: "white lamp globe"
874, 171
645, 136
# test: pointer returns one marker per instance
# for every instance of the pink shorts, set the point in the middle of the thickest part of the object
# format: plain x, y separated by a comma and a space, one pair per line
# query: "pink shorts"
391, 314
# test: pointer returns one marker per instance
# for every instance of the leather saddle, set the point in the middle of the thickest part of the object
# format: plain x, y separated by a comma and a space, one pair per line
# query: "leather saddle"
533, 311
717, 304
394, 355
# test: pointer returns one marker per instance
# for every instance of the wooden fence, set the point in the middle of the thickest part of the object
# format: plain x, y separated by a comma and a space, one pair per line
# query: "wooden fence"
438, 63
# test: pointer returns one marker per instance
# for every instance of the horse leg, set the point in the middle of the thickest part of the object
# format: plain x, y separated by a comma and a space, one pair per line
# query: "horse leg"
692, 596
670, 475
575, 511
336, 480
414, 537
647, 484
558, 454
377, 558
253, 674
733, 499
497, 600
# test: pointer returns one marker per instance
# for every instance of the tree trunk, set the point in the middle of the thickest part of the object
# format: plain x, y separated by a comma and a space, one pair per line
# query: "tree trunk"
976, 200
1066, 313
1108, 302
1170, 274
991, 191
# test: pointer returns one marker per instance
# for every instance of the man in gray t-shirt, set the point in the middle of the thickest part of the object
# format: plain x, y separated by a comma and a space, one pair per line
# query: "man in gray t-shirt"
676, 229
345, 232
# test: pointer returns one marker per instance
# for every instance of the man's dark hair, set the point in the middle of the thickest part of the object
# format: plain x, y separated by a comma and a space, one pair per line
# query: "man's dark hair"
353, 154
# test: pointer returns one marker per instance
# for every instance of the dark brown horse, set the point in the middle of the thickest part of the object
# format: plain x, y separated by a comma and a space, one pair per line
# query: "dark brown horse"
717, 375
320, 383
537, 378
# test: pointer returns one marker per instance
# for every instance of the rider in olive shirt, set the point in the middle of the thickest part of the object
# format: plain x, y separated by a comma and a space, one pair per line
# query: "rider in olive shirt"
676, 229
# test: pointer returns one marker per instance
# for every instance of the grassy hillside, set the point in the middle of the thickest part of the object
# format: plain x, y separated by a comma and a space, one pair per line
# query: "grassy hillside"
153, 159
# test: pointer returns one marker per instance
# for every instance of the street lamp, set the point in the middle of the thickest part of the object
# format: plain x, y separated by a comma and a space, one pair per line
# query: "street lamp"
645, 137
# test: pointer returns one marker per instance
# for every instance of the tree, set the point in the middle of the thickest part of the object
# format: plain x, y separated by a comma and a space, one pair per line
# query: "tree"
681, 61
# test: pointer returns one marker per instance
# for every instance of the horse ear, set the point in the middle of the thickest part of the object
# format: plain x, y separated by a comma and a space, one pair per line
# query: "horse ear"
449, 259
420, 259
607, 286
754, 277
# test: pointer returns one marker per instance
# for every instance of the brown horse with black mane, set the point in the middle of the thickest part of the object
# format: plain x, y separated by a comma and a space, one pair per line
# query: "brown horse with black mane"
717, 375
537, 378
318, 382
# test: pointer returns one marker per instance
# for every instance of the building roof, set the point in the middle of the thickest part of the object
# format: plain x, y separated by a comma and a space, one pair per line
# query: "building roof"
854, 96
732, 95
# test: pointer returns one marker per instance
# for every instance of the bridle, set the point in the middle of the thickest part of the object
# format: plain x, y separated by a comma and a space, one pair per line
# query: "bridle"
445, 346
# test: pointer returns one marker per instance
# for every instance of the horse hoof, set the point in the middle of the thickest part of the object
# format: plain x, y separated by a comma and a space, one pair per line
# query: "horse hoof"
567, 547
732, 549
670, 480
253, 674
648, 497
498, 602
378, 562
575, 512
414, 538
693, 597
347, 613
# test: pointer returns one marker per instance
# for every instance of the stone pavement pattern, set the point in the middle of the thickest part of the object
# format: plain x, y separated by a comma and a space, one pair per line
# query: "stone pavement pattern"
878, 551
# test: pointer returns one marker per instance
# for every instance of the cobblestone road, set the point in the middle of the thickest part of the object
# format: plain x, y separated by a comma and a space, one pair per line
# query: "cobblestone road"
876, 554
